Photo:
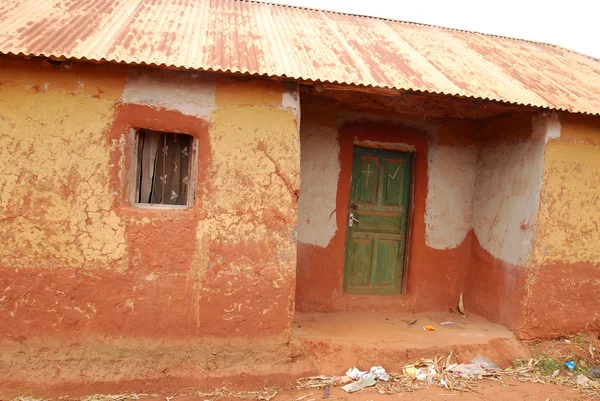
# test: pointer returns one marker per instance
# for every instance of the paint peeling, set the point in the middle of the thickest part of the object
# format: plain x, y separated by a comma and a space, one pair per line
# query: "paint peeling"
568, 220
55, 200
507, 191
172, 90
320, 166
451, 179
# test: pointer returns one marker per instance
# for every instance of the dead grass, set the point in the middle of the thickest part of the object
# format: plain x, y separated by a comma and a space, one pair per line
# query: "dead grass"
312, 382
266, 394
535, 370
94, 397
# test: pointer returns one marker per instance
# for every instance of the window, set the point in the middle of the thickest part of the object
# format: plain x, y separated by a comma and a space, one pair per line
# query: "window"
164, 169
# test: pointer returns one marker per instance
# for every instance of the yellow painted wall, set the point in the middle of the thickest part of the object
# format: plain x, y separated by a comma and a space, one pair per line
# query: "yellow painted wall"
568, 227
55, 203
254, 180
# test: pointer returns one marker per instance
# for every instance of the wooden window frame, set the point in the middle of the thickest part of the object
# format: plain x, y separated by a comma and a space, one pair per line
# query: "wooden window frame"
135, 173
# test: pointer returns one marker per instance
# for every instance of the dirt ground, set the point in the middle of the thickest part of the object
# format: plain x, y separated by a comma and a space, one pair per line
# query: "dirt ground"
510, 390
557, 383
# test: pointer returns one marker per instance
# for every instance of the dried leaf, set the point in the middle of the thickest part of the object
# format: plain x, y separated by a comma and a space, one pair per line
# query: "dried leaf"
449, 358
461, 305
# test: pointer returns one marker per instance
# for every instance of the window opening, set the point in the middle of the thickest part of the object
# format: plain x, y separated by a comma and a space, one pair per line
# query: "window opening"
164, 167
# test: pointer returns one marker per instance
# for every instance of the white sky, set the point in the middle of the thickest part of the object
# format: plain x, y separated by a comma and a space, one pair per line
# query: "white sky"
574, 24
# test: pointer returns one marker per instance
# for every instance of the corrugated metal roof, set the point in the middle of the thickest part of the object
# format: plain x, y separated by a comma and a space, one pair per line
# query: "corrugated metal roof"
307, 44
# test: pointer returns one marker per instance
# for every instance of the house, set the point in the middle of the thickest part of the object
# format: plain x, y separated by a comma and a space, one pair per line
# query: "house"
179, 178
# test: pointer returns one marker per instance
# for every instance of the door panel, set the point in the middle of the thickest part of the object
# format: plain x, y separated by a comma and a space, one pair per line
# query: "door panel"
369, 170
395, 175
372, 221
363, 255
378, 210
388, 260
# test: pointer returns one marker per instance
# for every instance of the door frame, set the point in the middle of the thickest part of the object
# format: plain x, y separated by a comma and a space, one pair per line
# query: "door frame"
394, 147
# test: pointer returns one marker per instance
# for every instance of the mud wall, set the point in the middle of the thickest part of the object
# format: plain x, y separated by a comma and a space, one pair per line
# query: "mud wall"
507, 205
82, 269
505, 202
444, 175
564, 284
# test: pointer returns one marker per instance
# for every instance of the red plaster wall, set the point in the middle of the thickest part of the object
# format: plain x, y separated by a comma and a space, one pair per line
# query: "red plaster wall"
495, 289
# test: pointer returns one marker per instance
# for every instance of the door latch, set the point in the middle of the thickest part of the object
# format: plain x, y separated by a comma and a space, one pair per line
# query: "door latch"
351, 220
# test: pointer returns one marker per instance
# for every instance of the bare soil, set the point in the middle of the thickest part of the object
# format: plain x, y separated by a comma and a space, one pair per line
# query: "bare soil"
509, 390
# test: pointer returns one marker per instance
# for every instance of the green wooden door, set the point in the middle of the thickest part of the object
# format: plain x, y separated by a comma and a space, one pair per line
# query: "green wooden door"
377, 220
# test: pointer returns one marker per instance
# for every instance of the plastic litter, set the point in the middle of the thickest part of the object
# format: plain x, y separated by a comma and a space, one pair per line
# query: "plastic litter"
365, 379
594, 372
355, 374
585, 382
570, 365
485, 363
582, 381
380, 373
446, 323
469, 370
423, 370
326, 394
411, 371
426, 373
429, 328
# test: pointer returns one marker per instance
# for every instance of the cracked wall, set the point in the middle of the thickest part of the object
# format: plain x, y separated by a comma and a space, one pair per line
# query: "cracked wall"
79, 261
55, 200
564, 282
450, 184
507, 280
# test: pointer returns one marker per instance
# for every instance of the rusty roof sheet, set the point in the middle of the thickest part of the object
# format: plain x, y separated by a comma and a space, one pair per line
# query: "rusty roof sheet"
284, 41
